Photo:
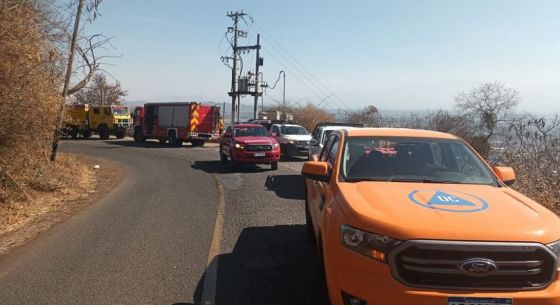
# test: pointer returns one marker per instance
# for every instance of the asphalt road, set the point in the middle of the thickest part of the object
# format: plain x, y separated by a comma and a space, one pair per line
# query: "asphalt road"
181, 229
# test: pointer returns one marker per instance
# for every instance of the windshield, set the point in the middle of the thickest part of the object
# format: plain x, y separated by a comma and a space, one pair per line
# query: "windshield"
293, 130
120, 110
412, 159
251, 132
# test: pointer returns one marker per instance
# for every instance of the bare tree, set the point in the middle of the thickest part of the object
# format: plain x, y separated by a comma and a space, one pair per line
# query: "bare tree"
88, 62
489, 104
369, 116
100, 92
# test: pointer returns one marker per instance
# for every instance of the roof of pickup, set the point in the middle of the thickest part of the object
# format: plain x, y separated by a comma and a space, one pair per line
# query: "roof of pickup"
399, 132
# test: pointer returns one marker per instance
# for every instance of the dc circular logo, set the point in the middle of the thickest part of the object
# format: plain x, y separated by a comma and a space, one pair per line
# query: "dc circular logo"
448, 200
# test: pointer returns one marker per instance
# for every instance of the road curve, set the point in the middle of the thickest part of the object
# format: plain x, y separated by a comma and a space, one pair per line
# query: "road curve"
148, 241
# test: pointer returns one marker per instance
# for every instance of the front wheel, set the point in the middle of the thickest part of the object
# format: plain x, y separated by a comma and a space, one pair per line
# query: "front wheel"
103, 132
223, 157
318, 292
139, 137
120, 135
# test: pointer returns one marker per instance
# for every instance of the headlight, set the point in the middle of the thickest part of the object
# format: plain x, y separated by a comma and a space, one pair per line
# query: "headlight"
369, 244
237, 145
275, 145
292, 142
555, 247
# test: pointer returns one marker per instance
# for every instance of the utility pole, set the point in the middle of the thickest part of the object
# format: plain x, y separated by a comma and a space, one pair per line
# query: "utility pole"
233, 93
257, 64
54, 146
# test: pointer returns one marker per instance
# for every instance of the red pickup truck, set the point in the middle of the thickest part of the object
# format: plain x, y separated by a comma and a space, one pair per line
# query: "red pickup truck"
249, 143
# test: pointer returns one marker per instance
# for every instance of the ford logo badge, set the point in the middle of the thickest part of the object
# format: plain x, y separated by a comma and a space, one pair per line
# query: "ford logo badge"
478, 267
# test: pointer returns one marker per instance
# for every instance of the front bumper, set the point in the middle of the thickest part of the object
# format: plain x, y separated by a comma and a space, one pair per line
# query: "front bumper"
203, 136
297, 149
372, 281
244, 156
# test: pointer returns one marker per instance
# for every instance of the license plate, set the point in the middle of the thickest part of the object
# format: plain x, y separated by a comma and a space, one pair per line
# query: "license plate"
259, 154
478, 301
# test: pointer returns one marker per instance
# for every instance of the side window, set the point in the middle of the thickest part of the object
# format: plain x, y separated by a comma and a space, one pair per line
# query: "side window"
228, 130
327, 148
276, 130
96, 111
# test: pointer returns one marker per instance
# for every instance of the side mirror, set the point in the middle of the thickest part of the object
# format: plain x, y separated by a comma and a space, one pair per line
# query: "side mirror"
506, 174
227, 135
316, 170
314, 142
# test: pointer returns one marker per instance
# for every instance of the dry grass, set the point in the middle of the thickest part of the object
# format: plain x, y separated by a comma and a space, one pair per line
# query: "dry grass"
30, 100
71, 178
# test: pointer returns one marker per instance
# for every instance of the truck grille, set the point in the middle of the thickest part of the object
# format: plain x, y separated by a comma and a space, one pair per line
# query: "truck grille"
258, 147
436, 264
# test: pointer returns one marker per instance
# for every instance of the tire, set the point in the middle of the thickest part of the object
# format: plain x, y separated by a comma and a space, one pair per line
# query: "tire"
120, 135
223, 157
138, 136
274, 165
318, 292
103, 132
197, 143
73, 133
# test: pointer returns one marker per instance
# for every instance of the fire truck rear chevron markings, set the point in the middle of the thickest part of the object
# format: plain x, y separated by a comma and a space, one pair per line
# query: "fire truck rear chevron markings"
194, 115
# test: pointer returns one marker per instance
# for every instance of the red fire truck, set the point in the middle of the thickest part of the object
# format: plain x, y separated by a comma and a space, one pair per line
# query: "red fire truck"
177, 123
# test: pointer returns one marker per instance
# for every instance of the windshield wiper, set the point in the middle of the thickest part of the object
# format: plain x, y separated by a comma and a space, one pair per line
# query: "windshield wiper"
357, 179
425, 180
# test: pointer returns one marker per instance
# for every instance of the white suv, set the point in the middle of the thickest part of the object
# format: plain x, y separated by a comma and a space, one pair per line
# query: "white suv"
322, 132
293, 139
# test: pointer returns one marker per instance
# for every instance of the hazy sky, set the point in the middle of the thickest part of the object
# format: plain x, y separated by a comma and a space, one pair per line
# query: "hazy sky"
393, 54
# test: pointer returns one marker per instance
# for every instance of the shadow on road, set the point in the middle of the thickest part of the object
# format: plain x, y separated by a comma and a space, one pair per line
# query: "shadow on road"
218, 167
287, 186
269, 265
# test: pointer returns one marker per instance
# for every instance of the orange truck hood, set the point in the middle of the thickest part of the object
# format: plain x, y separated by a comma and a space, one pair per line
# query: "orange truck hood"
447, 212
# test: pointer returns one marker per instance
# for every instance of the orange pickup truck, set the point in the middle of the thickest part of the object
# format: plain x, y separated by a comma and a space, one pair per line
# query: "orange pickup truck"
414, 217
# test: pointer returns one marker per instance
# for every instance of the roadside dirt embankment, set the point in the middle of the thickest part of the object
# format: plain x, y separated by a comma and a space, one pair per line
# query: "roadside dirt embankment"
69, 184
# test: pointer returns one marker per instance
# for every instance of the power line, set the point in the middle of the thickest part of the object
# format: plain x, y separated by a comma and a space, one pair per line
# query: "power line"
319, 96
307, 74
